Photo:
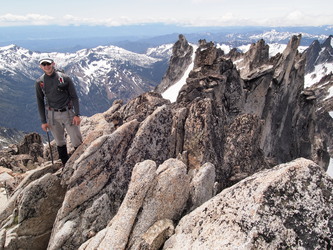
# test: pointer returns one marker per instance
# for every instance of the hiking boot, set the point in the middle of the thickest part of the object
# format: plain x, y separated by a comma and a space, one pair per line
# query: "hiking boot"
63, 155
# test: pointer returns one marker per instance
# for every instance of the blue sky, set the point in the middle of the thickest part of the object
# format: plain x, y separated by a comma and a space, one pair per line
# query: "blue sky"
183, 12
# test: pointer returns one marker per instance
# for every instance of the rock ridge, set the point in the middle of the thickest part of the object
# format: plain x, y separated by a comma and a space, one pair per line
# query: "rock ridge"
153, 174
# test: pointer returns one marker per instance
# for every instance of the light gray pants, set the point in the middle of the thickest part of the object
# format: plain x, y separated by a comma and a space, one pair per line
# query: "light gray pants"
58, 122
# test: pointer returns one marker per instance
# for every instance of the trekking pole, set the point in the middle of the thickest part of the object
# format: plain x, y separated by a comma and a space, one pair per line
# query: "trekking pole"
48, 138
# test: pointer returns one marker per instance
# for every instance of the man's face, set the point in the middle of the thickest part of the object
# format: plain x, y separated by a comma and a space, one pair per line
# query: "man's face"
47, 67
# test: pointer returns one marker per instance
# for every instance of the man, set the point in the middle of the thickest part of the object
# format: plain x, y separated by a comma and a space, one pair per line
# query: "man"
58, 106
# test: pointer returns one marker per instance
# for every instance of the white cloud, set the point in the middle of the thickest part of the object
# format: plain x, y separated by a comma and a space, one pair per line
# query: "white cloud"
295, 15
69, 19
294, 18
34, 19
185, 12
299, 18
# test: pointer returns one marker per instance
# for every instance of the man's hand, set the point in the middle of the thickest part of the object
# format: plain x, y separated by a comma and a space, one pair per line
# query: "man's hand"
76, 120
45, 126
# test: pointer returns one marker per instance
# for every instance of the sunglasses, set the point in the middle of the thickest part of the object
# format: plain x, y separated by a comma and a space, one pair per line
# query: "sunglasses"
46, 63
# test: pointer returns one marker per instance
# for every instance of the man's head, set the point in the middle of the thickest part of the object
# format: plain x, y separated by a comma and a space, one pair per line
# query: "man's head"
47, 65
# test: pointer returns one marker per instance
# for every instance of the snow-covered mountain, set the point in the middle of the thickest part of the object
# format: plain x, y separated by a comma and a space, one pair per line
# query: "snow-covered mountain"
274, 36
101, 75
319, 61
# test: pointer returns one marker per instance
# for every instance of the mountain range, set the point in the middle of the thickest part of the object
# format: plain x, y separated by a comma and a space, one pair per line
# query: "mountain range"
138, 38
104, 74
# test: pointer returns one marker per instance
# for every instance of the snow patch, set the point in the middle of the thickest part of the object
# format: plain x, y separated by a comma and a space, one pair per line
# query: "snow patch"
164, 50
275, 48
330, 93
318, 73
330, 167
226, 48
244, 48
171, 93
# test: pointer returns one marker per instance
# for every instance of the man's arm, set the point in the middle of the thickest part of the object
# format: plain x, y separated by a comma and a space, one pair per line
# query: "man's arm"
40, 102
73, 96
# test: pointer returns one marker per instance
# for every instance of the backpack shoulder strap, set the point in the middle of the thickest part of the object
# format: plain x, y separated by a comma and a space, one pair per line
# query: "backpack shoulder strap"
40, 81
60, 76
41, 78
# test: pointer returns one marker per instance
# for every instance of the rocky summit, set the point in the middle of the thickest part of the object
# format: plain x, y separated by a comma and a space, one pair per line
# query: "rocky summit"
238, 161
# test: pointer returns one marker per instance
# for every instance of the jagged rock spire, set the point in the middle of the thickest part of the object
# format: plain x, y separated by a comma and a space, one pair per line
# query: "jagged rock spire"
181, 58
